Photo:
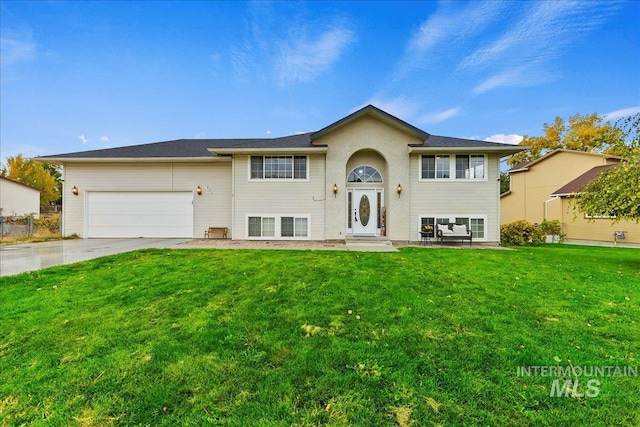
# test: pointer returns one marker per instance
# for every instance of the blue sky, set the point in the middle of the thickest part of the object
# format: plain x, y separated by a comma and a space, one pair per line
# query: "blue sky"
78, 76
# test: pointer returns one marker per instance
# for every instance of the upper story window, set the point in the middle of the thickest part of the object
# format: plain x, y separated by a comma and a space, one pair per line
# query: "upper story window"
278, 167
445, 166
364, 174
469, 166
436, 166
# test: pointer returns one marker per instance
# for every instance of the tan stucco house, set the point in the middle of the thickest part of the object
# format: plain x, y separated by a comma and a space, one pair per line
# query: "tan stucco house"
17, 199
368, 175
544, 188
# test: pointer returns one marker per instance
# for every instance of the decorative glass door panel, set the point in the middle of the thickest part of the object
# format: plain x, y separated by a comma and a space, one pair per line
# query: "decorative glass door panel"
364, 212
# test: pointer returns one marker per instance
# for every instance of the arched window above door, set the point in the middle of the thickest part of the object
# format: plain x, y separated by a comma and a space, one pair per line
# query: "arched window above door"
364, 173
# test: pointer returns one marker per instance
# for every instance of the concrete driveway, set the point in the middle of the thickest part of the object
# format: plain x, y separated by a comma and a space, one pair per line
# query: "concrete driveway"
16, 259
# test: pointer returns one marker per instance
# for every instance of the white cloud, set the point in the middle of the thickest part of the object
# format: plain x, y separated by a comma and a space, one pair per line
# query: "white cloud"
523, 55
268, 132
83, 139
104, 139
303, 59
448, 26
615, 115
439, 116
200, 135
513, 139
16, 48
297, 51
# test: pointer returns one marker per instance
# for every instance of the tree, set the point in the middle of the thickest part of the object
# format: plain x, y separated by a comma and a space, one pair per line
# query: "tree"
505, 182
582, 133
629, 143
615, 191
43, 176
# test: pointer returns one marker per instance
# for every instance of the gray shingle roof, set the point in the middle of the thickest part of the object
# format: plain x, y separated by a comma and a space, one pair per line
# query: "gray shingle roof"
200, 148
450, 142
188, 148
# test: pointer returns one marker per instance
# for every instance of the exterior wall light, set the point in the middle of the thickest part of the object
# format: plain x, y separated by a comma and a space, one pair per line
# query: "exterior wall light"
399, 189
74, 190
199, 190
335, 190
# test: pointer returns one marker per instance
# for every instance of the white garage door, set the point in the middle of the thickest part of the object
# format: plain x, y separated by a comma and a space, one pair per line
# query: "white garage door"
140, 214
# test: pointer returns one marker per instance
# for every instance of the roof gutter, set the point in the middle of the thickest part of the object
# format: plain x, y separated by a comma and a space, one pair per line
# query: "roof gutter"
505, 151
283, 150
61, 160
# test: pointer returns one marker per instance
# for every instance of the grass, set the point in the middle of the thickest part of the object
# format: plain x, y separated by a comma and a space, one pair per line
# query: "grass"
273, 338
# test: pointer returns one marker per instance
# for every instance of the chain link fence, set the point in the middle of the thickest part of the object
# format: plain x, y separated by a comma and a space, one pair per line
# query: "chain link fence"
27, 226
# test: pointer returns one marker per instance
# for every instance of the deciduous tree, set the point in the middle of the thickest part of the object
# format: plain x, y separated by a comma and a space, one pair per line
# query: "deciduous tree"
43, 176
583, 133
615, 191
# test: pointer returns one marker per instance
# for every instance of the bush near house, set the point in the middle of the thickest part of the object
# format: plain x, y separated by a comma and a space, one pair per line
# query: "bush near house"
50, 224
522, 233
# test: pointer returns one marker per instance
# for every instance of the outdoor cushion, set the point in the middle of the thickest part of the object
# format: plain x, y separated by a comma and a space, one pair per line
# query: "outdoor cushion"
444, 228
460, 229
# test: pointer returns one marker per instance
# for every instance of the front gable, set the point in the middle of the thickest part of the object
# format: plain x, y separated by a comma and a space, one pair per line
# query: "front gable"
378, 115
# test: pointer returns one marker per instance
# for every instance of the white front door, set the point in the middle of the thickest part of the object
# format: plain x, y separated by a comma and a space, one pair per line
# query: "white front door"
365, 212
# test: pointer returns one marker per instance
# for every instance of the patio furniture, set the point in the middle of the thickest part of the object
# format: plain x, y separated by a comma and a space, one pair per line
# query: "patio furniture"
453, 232
216, 231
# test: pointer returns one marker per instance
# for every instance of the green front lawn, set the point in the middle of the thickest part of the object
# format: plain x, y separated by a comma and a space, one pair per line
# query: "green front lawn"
279, 338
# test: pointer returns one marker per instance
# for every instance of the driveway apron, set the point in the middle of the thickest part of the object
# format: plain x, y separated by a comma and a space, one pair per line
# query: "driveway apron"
15, 259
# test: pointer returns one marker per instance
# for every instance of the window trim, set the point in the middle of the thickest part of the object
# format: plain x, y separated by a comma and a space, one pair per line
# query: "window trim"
452, 218
452, 168
277, 226
293, 165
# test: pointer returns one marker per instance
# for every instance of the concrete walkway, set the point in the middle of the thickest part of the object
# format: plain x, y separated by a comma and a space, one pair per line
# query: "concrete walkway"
20, 258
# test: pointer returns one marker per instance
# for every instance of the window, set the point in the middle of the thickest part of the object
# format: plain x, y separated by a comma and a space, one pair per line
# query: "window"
293, 227
261, 226
364, 174
465, 166
435, 166
475, 223
428, 167
278, 167
600, 216
428, 222
278, 227
469, 166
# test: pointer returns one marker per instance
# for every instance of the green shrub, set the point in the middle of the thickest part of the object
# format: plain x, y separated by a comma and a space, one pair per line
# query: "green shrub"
553, 227
49, 223
521, 233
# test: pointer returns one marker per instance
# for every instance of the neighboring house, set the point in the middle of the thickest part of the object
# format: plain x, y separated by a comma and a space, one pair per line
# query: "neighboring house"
17, 199
542, 189
369, 175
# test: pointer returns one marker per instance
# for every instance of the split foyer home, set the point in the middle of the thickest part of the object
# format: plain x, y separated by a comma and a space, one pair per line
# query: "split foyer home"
545, 188
368, 175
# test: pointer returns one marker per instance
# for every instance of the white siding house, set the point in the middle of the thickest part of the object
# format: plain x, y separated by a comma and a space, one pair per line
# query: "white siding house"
369, 175
17, 199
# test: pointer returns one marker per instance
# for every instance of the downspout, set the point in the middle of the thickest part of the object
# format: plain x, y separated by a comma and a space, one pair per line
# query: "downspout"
233, 196
546, 206
63, 214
